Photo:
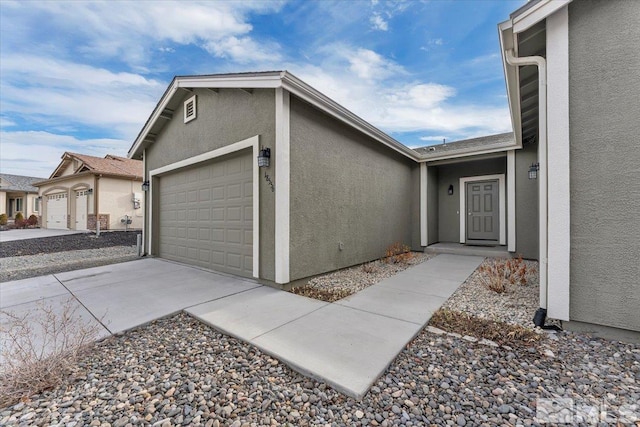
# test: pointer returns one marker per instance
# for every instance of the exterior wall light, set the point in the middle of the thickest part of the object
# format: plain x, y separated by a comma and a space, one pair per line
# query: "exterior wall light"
90, 191
263, 157
145, 186
450, 190
533, 170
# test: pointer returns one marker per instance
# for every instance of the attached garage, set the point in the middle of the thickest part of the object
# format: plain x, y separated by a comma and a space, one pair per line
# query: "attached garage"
206, 214
57, 211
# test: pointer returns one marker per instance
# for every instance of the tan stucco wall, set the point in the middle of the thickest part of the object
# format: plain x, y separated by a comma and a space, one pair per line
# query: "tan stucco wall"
3, 203
116, 200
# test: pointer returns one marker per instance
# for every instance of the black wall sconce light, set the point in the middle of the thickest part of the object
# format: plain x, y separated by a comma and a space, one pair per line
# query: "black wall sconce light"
450, 190
263, 157
533, 170
145, 186
90, 191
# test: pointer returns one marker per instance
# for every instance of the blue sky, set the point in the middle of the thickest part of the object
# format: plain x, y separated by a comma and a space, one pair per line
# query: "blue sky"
84, 76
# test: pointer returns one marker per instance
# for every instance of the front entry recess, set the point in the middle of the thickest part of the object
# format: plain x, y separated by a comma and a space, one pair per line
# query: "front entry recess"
483, 219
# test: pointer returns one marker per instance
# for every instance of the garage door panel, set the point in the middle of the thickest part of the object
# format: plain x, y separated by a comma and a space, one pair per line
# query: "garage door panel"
206, 215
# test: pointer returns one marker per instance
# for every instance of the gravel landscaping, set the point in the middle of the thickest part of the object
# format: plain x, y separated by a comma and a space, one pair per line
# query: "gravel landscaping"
22, 259
340, 284
178, 371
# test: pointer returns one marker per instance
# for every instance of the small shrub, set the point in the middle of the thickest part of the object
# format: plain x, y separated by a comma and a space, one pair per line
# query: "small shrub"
398, 253
498, 274
32, 221
4, 219
19, 221
40, 348
369, 268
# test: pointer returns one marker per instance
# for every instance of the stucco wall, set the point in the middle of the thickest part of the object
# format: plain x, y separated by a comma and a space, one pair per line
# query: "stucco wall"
223, 118
116, 201
526, 204
604, 90
3, 203
345, 188
449, 205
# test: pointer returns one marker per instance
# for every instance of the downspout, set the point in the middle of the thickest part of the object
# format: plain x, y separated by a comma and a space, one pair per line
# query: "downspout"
541, 63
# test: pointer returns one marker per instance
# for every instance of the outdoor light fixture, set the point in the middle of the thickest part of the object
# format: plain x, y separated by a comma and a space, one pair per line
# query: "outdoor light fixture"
145, 186
90, 191
533, 170
450, 190
263, 157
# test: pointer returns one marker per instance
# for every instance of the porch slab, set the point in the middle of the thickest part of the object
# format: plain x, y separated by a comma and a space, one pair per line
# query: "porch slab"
462, 249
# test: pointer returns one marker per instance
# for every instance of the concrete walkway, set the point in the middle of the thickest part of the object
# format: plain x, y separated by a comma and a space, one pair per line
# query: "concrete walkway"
33, 233
347, 344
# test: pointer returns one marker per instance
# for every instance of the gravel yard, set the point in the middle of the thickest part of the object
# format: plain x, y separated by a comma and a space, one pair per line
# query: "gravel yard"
22, 259
178, 371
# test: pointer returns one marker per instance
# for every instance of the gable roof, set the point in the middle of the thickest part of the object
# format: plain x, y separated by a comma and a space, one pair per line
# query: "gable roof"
480, 145
170, 101
18, 183
108, 165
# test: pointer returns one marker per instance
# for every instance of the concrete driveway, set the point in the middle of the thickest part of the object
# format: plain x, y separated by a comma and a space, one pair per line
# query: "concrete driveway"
347, 344
33, 233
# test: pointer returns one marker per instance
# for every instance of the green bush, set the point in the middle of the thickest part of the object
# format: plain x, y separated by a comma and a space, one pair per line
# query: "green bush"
3, 219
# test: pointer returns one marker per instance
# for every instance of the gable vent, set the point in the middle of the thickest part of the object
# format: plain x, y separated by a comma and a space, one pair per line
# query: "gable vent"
190, 109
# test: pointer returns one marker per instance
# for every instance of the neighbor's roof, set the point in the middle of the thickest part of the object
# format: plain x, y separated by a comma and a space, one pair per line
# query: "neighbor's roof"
18, 183
490, 143
107, 165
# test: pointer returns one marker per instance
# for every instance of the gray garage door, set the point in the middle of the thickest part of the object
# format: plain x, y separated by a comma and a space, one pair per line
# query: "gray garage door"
206, 215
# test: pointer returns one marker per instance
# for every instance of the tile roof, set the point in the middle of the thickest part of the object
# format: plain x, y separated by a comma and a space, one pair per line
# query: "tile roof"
467, 144
110, 164
18, 183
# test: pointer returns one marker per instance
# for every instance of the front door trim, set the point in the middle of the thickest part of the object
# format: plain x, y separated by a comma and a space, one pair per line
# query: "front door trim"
501, 203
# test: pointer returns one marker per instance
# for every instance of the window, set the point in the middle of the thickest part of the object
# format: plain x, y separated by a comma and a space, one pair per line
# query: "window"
19, 205
36, 204
190, 109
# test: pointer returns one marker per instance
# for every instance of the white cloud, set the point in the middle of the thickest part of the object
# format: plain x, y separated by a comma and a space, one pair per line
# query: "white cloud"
57, 92
369, 65
38, 153
378, 22
433, 138
244, 50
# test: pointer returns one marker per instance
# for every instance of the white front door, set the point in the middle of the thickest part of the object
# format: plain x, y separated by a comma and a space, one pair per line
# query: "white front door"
81, 210
57, 211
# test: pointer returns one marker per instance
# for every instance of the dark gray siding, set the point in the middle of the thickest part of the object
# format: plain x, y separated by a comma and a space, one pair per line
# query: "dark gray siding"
345, 187
604, 112
223, 118
526, 204
449, 206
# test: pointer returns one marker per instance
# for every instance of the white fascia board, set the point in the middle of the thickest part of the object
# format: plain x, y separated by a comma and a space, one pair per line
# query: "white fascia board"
317, 99
470, 152
267, 82
537, 13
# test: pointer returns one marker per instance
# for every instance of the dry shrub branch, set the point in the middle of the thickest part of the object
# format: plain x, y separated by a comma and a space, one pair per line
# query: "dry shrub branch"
498, 274
40, 348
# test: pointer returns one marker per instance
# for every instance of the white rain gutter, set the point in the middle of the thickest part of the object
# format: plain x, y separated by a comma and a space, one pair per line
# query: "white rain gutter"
541, 63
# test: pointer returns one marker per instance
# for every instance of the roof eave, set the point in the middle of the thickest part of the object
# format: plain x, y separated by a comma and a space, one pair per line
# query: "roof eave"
469, 152
270, 81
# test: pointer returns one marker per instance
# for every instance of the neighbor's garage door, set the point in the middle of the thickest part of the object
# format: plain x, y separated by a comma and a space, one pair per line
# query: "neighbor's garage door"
206, 215
57, 211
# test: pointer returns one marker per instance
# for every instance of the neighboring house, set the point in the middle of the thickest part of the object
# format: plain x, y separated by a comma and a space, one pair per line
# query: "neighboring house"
86, 189
17, 194
338, 191
573, 81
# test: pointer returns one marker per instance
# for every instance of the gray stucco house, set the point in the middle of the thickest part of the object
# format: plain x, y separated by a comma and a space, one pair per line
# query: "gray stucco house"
337, 191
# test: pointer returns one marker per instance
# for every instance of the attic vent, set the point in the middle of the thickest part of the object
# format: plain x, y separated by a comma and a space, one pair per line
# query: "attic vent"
190, 109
